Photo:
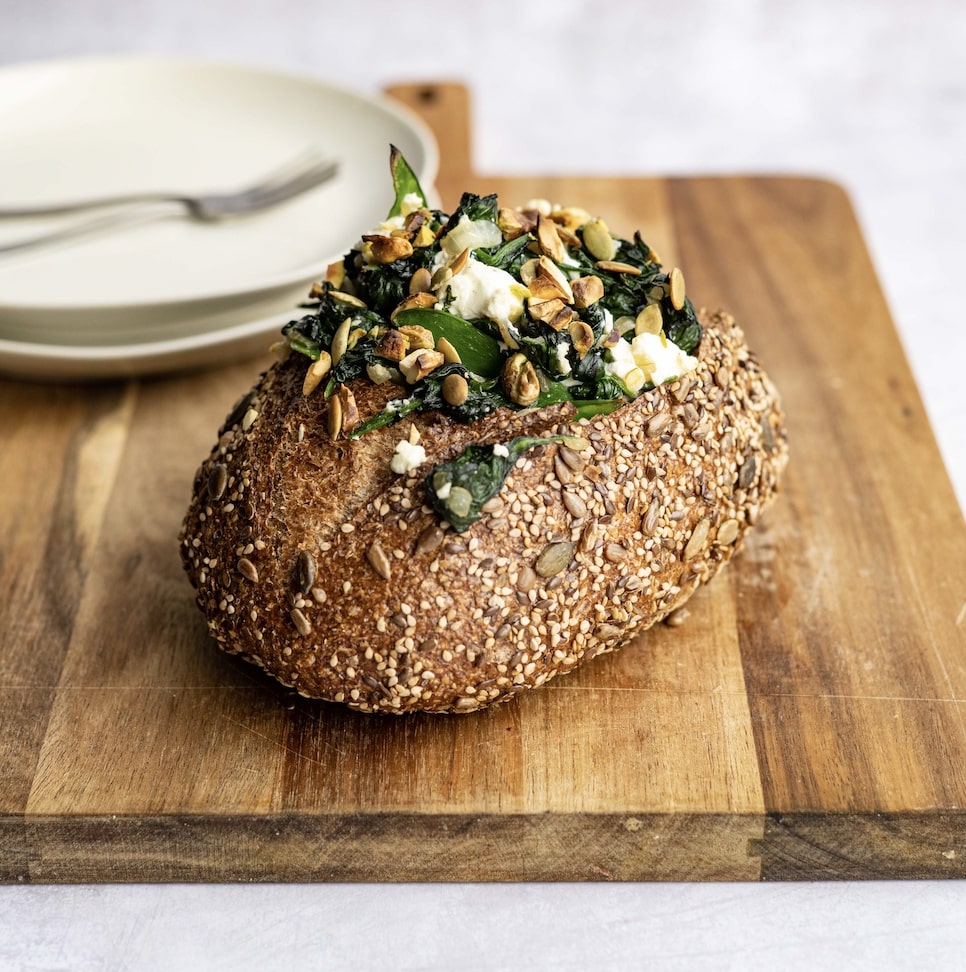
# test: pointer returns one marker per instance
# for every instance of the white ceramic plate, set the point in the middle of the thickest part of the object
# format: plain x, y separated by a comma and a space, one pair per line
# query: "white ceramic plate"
61, 362
90, 127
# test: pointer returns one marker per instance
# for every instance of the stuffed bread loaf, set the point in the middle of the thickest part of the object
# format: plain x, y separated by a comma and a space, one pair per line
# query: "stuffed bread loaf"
372, 531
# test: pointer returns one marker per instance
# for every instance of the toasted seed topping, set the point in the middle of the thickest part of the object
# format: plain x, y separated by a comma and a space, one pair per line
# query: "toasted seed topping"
681, 389
419, 337
334, 418
442, 276
617, 267
455, 389
519, 380
554, 558
350, 411
577, 443
549, 240
767, 434
449, 353
587, 291
316, 372
582, 336
248, 419
393, 345
418, 364
388, 249
305, 571
649, 320
460, 501
247, 569
421, 281
676, 285
340, 341
690, 415
598, 240
414, 302
350, 300
460, 262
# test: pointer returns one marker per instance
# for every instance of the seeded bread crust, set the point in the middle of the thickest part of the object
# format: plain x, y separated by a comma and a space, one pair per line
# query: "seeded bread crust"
312, 559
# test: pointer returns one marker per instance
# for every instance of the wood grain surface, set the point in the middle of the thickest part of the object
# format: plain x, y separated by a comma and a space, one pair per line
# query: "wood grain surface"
807, 721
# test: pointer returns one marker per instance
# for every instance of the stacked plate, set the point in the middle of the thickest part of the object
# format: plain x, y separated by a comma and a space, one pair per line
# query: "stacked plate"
171, 293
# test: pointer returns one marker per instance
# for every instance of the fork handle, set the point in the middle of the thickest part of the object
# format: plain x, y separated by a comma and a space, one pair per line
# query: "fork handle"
127, 215
104, 202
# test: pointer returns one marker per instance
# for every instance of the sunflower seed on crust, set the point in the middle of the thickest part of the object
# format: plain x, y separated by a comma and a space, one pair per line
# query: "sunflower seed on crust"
379, 561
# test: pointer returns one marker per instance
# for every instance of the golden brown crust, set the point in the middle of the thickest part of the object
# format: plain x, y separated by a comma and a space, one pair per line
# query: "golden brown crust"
314, 560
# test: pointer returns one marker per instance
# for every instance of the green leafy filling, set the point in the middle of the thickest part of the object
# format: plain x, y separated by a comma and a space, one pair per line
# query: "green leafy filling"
565, 375
427, 395
458, 489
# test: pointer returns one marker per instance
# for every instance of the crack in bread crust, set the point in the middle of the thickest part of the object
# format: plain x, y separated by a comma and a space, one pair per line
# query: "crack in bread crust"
578, 553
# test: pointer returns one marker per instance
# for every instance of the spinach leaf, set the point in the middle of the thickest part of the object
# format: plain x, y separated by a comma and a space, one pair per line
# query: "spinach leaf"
351, 365
508, 256
610, 387
483, 397
588, 408
404, 181
476, 207
542, 350
316, 330
384, 286
459, 488
681, 326
478, 351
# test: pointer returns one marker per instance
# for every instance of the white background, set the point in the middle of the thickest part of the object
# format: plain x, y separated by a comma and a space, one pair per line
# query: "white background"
869, 94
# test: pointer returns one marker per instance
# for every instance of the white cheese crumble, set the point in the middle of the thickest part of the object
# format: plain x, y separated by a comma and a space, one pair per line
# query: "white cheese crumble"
499, 449
648, 358
479, 290
411, 202
385, 228
563, 363
407, 457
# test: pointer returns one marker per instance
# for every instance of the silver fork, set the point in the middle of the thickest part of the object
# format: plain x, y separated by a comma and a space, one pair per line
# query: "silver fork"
297, 176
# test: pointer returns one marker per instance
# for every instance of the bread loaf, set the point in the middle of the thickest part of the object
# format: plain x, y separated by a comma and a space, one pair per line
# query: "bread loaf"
339, 570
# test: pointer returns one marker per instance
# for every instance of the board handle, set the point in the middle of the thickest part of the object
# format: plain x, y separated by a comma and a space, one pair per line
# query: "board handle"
445, 108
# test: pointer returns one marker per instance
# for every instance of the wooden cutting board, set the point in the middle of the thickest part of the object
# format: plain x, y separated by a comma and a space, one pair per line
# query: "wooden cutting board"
807, 721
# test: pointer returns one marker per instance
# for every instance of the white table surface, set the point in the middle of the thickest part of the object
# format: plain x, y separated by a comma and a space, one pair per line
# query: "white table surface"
869, 94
